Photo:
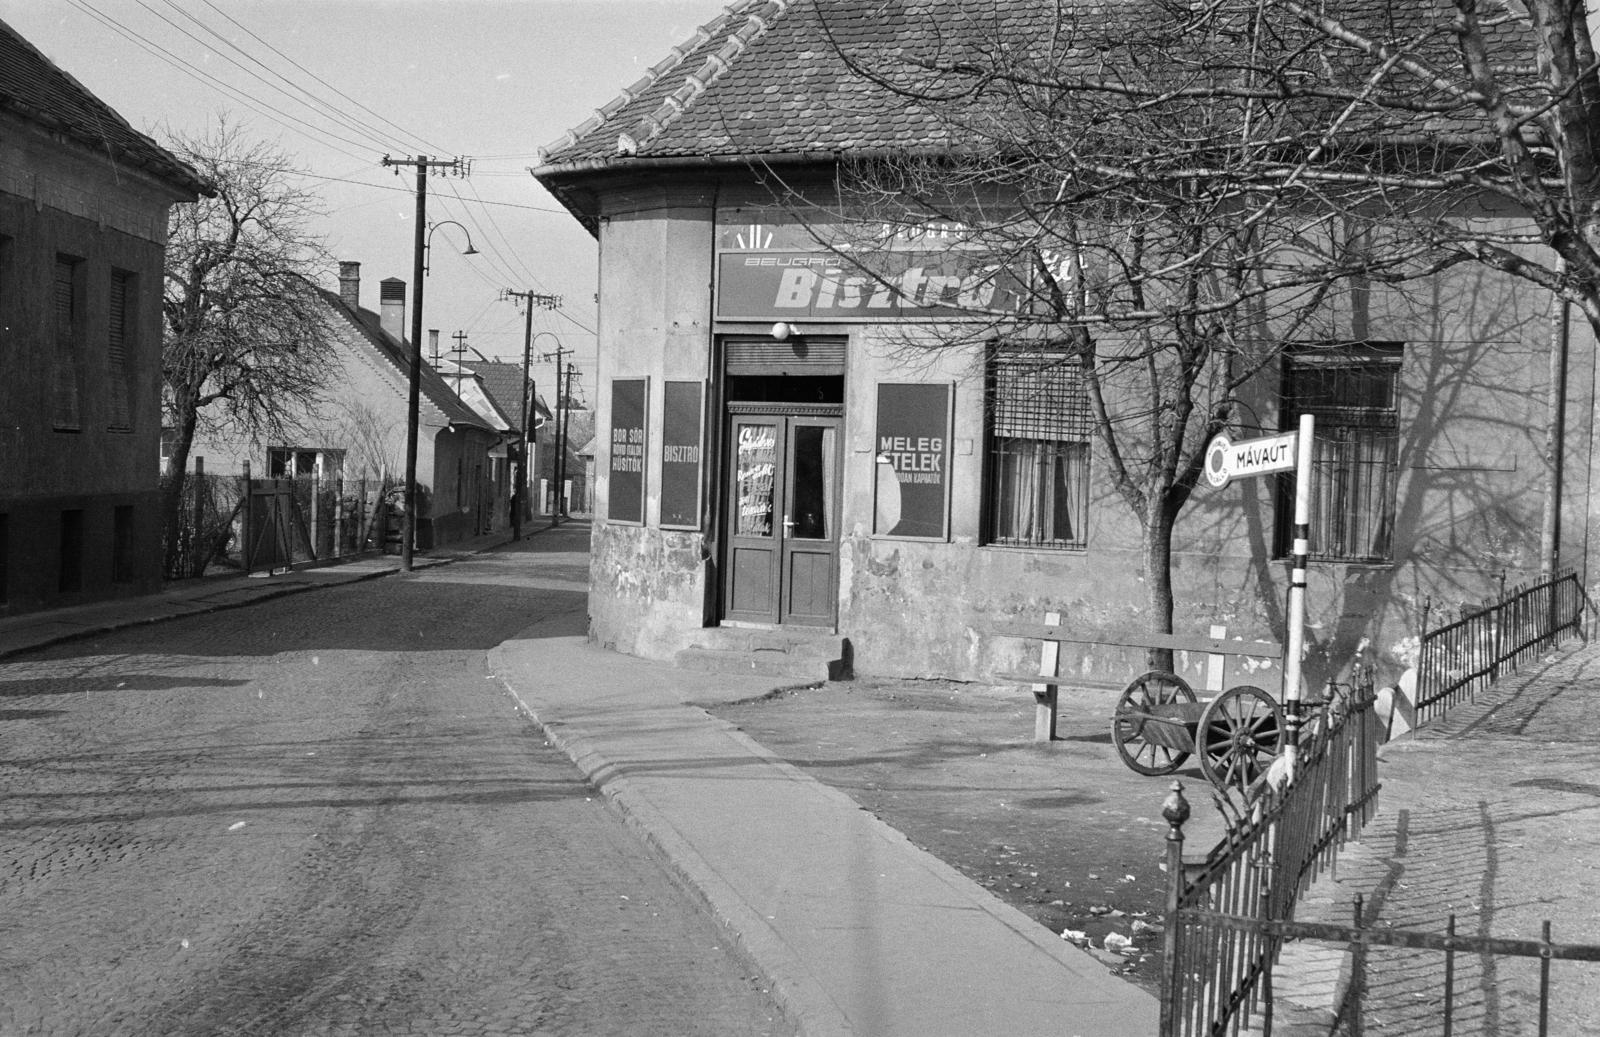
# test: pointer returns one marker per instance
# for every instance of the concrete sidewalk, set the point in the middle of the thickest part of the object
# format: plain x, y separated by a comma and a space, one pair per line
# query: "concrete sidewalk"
859, 931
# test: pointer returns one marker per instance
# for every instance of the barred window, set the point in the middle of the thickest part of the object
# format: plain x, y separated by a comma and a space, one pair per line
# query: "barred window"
1351, 392
1038, 456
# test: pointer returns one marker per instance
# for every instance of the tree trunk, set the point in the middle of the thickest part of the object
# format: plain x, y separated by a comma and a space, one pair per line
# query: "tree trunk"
172, 503
1157, 548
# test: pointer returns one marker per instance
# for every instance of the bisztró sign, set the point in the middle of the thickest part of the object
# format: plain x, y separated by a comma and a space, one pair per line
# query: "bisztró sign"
786, 270
1228, 460
805, 286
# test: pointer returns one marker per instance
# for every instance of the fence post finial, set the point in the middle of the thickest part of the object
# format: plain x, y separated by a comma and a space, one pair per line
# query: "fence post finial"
1175, 808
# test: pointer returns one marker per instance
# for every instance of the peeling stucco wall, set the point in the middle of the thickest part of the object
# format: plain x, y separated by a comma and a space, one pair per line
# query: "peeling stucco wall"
646, 588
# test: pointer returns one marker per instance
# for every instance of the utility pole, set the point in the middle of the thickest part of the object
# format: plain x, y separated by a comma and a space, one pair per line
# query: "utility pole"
460, 351
530, 299
422, 163
562, 390
566, 420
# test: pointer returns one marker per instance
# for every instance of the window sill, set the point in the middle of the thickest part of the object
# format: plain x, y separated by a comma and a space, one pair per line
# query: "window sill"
1349, 563
1054, 549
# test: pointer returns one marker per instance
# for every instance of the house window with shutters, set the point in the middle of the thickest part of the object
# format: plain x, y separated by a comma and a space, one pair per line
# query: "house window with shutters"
119, 352
67, 410
1039, 431
1351, 392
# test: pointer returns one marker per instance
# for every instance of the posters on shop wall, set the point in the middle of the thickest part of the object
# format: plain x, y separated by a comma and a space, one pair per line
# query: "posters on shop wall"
912, 461
626, 488
681, 413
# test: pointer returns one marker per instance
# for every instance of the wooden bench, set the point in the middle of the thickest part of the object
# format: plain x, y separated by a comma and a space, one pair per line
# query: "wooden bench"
1052, 634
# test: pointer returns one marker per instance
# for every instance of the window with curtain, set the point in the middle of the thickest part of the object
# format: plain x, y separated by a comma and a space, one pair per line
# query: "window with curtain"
1351, 391
1038, 456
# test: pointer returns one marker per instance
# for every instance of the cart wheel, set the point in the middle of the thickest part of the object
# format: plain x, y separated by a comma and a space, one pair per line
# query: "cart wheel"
1130, 724
1238, 736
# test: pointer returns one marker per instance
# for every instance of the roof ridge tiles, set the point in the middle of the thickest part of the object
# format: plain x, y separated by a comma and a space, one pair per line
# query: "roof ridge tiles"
750, 25
715, 64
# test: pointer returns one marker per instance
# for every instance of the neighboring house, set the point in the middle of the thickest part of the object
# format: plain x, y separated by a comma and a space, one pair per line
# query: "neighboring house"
358, 429
83, 227
585, 454
495, 390
768, 455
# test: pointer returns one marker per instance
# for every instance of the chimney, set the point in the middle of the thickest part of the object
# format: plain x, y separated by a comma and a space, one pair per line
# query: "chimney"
350, 284
433, 345
392, 306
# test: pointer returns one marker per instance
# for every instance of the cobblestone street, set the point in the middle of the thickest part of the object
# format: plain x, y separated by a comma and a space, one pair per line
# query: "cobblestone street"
322, 814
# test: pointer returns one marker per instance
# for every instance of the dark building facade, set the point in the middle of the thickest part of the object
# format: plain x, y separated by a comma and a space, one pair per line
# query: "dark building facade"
83, 227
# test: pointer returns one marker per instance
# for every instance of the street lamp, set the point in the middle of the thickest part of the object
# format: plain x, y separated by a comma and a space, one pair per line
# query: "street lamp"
427, 244
424, 242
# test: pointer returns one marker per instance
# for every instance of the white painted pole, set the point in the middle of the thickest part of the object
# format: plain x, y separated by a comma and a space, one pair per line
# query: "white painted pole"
1295, 644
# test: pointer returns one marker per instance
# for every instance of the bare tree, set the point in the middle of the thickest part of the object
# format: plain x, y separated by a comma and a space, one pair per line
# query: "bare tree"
246, 340
1173, 191
1469, 109
1143, 237
374, 440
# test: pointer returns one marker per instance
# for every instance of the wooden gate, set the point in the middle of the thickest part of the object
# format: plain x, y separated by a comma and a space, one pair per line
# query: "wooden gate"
275, 532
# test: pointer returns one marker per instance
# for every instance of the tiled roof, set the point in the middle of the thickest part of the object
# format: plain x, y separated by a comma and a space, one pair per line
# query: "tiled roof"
394, 352
775, 80
503, 383
33, 88
766, 77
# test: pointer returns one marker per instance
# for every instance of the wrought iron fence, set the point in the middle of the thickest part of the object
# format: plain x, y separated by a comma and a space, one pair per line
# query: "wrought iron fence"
1463, 657
1424, 993
1218, 957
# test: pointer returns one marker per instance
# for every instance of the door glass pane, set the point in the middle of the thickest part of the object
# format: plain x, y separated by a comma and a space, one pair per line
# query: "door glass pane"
811, 488
756, 461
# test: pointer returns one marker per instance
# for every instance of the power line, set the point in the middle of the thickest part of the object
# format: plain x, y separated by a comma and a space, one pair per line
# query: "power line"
167, 56
402, 190
504, 264
489, 215
324, 82
488, 248
316, 105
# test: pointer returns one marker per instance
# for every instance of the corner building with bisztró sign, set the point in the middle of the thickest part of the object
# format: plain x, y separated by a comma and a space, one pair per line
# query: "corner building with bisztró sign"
808, 430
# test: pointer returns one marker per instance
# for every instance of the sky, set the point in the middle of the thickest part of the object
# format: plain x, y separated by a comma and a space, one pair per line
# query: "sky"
488, 80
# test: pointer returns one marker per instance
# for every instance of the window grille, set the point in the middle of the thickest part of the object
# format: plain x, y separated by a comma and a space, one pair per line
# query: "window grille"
1039, 433
1351, 391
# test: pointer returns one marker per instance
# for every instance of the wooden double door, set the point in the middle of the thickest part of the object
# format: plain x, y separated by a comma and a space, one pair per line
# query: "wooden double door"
782, 515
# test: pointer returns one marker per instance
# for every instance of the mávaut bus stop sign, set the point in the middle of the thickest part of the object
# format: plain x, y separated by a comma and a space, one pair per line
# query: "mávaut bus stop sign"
1227, 460
1290, 451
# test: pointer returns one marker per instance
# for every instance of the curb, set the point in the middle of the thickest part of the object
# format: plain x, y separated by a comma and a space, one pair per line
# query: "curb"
797, 994
793, 985
197, 607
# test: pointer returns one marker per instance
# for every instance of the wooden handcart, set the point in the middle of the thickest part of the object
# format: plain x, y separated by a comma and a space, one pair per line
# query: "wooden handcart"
1158, 722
